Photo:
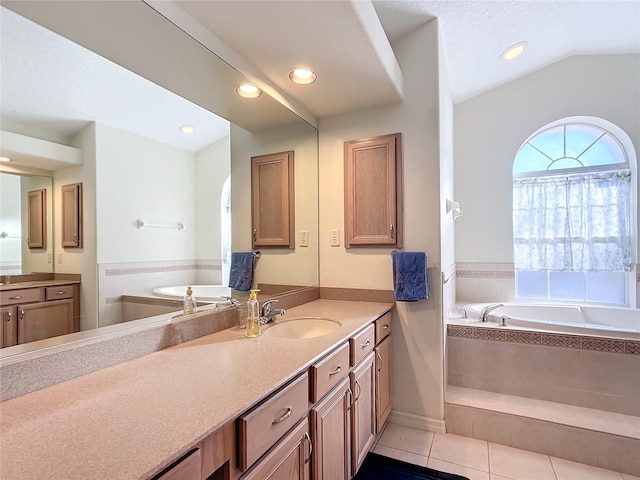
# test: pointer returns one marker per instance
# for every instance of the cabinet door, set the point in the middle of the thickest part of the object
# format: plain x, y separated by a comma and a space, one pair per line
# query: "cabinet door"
187, 468
373, 191
72, 215
37, 219
383, 382
331, 427
9, 327
290, 459
363, 416
272, 200
37, 321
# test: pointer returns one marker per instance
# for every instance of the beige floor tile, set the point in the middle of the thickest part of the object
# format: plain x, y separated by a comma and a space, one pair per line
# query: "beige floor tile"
465, 451
402, 455
568, 470
408, 439
470, 473
519, 464
498, 477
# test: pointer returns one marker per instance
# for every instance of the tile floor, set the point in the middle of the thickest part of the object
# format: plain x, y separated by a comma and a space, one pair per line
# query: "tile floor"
480, 460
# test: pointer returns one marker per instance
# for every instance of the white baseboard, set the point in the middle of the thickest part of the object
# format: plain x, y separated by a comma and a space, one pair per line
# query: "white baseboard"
417, 421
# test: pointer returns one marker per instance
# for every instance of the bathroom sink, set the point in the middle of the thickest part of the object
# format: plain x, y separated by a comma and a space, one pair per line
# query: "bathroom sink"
303, 327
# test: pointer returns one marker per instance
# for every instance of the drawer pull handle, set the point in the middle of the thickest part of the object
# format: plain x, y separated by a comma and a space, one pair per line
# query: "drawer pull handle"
17, 297
306, 435
365, 344
8, 316
380, 360
358, 391
350, 397
336, 371
60, 292
385, 327
284, 417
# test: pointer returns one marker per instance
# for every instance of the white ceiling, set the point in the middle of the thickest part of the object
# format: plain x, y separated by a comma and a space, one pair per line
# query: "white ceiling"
348, 43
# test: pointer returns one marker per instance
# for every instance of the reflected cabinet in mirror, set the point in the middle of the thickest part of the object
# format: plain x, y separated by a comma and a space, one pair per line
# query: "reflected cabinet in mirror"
85, 107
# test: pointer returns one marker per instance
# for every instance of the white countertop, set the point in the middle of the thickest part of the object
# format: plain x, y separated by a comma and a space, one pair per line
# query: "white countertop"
135, 418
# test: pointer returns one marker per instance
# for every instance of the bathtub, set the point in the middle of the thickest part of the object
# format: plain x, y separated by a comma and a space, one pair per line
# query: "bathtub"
213, 293
598, 321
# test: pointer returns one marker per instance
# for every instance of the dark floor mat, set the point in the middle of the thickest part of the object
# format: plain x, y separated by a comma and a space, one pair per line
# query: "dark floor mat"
378, 467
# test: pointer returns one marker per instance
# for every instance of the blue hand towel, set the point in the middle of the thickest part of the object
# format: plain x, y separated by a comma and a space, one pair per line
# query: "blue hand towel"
241, 274
410, 276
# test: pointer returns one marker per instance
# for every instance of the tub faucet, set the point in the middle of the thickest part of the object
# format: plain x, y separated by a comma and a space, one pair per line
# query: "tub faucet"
484, 315
266, 314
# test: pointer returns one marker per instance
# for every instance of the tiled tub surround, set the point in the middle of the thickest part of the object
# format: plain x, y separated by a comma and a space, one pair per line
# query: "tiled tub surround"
488, 282
113, 423
573, 397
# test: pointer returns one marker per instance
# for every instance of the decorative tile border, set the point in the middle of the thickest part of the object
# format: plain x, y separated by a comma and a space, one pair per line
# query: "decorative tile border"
597, 344
502, 274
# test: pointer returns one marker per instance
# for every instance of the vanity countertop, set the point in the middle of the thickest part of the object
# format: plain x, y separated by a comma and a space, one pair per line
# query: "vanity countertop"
35, 283
133, 419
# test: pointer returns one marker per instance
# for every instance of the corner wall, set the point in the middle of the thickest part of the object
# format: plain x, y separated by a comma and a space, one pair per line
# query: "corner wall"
417, 390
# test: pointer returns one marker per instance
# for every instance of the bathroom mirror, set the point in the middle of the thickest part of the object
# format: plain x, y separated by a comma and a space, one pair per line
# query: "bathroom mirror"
124, 182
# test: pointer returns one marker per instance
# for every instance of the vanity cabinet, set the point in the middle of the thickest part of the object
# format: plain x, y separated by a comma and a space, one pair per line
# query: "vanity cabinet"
36, 313
373, 192
290, 459
331, 427
9, 327
363, 416
272, 200
187, 468
383, 369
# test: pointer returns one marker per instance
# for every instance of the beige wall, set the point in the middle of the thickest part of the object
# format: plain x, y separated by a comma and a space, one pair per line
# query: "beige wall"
417, 341
491, 127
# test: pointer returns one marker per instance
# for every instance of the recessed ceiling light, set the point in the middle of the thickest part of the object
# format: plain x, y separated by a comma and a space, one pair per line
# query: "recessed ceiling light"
302, 76
248, 91
514, 51
187, 129
5, 159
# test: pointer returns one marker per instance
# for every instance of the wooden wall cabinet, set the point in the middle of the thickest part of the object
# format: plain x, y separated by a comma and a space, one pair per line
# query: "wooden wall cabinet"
72, 215
272, 200
37, 219
373, 192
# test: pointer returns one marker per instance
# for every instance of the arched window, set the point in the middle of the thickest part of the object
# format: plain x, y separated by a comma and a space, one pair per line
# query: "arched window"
572, 228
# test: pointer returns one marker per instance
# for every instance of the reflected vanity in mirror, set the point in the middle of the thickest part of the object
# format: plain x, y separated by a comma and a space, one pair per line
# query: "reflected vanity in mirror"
134, 163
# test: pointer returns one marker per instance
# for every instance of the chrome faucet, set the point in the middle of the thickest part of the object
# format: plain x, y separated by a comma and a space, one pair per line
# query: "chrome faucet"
266, 314
484, 315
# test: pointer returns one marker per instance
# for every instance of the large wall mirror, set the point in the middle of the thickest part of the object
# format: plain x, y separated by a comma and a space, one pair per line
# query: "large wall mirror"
144, 78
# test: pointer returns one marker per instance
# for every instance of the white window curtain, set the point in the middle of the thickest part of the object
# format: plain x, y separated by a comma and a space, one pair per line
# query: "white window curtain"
573, 222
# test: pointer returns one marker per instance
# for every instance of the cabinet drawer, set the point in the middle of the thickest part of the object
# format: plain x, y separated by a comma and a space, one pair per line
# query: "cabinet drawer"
23, 295
383, 327
362, 344
58, 293
328, 372
263, 426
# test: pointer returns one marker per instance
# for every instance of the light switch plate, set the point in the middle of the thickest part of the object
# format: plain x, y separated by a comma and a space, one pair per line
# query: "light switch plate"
335, 238
304, 238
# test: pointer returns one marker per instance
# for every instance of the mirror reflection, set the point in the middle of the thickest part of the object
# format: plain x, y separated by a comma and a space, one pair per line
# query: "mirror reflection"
121, 138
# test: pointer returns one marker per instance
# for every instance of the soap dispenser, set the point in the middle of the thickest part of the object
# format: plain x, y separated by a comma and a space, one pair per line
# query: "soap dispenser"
190, 305
253, 315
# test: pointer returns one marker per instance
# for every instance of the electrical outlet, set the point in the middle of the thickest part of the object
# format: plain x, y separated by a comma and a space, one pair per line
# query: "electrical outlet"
335, 238
304, 238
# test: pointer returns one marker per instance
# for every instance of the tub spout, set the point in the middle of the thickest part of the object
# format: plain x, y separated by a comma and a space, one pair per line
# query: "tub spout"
484, 315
